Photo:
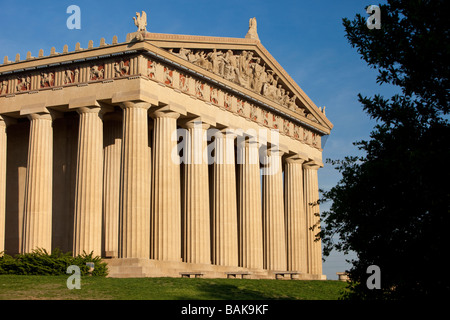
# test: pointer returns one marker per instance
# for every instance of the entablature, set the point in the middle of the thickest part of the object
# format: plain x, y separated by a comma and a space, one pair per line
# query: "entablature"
193, 65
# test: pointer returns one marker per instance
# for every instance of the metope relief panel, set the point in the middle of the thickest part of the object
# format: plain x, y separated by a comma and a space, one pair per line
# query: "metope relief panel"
151, 69
286, 127
71, 76
254, 113
47, 79
184, 83
121, 68
23, 83
240, 107
227, 102
96, 72
200, 89
4, 87
214, 95
168, 76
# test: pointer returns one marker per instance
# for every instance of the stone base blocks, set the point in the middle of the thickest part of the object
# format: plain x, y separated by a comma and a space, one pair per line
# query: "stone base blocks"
150, 268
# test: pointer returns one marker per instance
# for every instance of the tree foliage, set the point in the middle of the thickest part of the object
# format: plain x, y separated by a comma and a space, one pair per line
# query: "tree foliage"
392, 205
40, 262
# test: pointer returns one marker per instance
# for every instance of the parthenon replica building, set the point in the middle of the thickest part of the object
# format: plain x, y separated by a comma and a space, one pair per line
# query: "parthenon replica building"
163, 154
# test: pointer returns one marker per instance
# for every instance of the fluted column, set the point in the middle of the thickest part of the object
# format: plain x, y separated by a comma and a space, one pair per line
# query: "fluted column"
249, 205
112, 131
273, 212
134, 228
223, 201
165, 204
89, 182
3, 145
4, 123
37, 228
311, 192
196, 213
296, 232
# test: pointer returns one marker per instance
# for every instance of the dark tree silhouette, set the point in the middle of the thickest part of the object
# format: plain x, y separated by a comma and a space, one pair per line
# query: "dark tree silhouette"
392, 205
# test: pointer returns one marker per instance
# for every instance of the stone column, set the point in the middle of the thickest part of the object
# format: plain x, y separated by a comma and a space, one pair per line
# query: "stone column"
134, 227
296, 231
165, 203
249, 205
112, 131
89, 182
196, 213
4, 123
223, 201
37, 228
311, 192
3, 144
273, 212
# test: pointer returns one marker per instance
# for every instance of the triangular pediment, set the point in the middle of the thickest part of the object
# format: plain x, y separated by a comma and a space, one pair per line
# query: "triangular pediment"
246, 63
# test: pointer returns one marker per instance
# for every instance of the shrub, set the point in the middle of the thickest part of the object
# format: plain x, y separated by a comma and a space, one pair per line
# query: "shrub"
40, 262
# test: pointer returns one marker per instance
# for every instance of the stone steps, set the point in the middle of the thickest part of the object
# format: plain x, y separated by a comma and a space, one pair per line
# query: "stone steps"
141, 268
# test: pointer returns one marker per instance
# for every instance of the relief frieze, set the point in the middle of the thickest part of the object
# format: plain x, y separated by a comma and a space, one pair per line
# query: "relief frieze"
238, 67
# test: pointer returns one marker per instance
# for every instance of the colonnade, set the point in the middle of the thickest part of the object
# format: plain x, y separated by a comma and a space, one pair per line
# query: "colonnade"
131, 193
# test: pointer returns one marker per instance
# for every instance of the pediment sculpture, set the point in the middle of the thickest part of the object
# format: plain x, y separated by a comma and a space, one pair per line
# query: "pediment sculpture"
245, 69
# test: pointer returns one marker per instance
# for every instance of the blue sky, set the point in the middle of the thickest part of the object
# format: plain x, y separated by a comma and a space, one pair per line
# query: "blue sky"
305, 36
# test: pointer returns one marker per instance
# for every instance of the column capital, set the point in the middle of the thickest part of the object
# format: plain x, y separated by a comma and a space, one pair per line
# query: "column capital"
89, 109
275, 150
312, 164
228, 132
135, 104
45, 115
224, 133
89, 102
244, 140
296, 158
164, 112
195, 123
101, 111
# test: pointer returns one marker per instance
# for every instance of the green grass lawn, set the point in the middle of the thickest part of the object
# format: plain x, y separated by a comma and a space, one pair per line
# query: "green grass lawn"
97, 288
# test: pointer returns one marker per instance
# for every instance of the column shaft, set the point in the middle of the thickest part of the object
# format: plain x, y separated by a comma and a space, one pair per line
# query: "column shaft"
196, 213
89, 183
165, 204
112, 131
296, 231
249, 206
37, 230
134, 231
223, 202
3, 150
273, 213
311, 192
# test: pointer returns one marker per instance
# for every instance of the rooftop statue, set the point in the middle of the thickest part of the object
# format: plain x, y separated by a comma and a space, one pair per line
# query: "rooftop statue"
141, 21
252, 30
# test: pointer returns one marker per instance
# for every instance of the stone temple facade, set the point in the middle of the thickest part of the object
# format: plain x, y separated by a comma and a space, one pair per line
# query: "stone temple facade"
165, 154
